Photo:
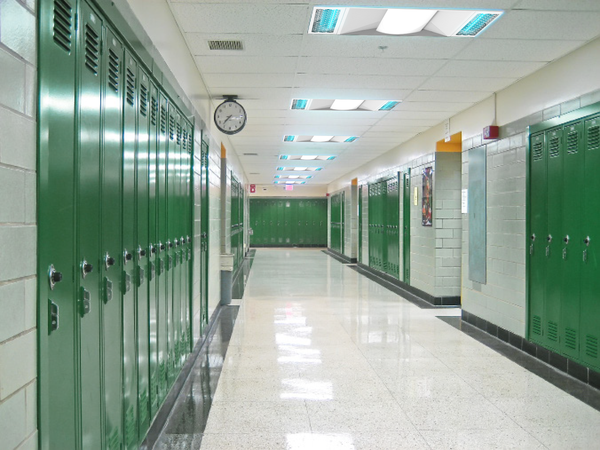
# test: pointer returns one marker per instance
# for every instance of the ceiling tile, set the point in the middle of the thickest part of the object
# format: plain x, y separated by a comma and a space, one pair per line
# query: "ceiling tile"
246, 64
517, 50
254, 44
352, 80
365, 94
509, 69
447, 96
467, 83
369, 66
258, 18
560, 5
249, 80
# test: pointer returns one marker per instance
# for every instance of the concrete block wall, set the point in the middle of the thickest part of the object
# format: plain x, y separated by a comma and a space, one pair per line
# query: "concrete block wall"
447, 224
18, 299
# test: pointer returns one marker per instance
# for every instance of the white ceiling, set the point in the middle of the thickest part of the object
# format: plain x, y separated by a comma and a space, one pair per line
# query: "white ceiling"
434, 77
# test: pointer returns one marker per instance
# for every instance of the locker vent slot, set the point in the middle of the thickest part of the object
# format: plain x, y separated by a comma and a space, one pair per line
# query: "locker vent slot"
553, 331
130, 87
92, 49
63, 24
171, 128
163, 119
572, 141
178, 134
593, 137
591, 346
113, 70
536, 325
571, 338
538, 150
143, 100
554, 147
153, 110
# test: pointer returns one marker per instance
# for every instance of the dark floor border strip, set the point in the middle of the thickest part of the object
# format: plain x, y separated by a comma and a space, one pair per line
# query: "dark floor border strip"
503, 343
289, 246
164, 411
559, 362
240, 277
408, 290
339, 256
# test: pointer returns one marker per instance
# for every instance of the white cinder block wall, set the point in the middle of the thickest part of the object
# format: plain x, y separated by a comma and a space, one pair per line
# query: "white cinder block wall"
18, 87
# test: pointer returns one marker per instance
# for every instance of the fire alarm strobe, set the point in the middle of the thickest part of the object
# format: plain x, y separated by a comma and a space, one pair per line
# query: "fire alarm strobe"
491, 132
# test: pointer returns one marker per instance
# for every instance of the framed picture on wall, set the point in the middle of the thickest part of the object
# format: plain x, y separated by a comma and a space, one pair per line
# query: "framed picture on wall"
427, 197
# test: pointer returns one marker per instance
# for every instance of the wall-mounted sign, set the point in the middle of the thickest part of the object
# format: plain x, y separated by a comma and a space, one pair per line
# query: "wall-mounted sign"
427, 198
252, 188
464, 208
416, 196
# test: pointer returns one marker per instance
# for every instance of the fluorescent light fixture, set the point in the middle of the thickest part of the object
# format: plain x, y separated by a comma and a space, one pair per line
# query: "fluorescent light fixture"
401, 21
351, 139
405, 21
289, 138
289, 182
321, 138
298, 103
307, 157
388, 106
299, 169
294, 176
337, 105
346, 105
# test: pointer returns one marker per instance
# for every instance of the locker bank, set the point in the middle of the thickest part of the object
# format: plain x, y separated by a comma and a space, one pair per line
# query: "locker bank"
293, 225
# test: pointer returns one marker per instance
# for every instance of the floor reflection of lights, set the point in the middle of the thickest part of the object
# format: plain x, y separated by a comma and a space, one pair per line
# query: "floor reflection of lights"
303, 441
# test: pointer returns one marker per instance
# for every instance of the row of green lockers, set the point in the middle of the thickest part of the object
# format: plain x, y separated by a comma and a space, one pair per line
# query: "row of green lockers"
115, 235
387, 228
288, 222
237, 222
337, 222
564, 240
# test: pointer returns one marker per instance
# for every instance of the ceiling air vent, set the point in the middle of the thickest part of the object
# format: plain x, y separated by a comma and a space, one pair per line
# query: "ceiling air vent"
225, 45
250, 154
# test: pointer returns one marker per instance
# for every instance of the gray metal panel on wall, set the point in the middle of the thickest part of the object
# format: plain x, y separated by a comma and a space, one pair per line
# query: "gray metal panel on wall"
477, 214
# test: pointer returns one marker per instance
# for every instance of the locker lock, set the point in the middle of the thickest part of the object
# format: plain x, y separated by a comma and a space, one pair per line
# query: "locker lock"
127, 256
141, 252
152, 249
566, 239
533, 237
86, 268
549, 238
108, 261
586, 241
169, 244
182, 240
189, 239
161, 246
176, 241
53, 277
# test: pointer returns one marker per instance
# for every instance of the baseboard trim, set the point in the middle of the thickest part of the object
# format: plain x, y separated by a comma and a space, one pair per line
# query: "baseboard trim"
339, 256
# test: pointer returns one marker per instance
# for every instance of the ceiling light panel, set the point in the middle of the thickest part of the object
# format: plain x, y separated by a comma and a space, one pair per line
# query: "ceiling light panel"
293, 177
401, 21
299, 169
319, 139
289, 182
307, 157
343, 105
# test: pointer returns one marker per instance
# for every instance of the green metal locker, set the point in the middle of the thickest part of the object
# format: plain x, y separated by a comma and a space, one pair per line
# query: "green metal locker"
56, 185
130, 392
88, 194
164, 293
571, 240
406, 227
153, 252
553, 239
204, 244
112, 264
590, 306
141, 252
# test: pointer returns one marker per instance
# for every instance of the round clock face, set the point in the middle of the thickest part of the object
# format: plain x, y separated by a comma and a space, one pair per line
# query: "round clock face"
230, 117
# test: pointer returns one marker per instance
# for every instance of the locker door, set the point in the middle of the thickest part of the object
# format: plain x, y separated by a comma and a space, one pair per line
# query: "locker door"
88, 228
590, 306
164, 293
393, 222
572, 240
298, 232
185, 239
406, 228
554, 139
56, 180
360, 225
130, 393
141, 253
204, 228
112, 263
538, 221
280, 221
370, 190
153, 238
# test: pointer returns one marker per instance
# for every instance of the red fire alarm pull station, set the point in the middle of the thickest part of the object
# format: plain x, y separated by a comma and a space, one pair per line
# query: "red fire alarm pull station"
289, 187
252, 188
491, 132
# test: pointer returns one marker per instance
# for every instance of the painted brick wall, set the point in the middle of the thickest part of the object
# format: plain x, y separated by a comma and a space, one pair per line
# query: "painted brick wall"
18, 93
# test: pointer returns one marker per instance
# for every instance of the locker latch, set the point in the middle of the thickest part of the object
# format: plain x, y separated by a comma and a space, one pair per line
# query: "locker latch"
141, 253
53, 319
141, 275
53, 277
548, 246
127, 281
169, 263
127, 257
161, 266
86, 301
86, 268
586, 241
152, 273
108, 290
108, 261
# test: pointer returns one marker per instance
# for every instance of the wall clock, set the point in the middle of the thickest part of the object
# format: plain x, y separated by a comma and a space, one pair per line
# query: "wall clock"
230, 116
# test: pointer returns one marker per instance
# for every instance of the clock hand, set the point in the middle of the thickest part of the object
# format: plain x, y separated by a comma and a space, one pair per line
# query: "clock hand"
227, 119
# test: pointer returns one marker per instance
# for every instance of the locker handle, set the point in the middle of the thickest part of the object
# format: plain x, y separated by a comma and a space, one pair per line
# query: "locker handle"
566, 239
533, 237
86, 268
586, 241
127, 256
549, 238
53, 276
152, 249
182, 240
161, 246
109, 261
169, 244
141, 252
176, 241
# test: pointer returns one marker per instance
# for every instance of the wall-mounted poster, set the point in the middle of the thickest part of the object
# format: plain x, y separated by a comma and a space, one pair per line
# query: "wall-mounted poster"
427, 196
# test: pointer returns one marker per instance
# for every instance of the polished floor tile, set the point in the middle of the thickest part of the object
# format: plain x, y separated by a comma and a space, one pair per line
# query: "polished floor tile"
323, 358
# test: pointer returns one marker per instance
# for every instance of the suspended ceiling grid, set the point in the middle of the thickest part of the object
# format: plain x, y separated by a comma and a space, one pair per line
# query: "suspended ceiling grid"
434, 77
